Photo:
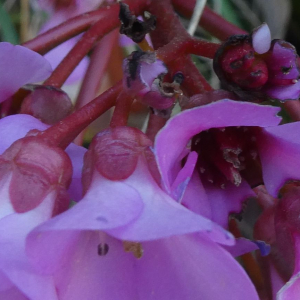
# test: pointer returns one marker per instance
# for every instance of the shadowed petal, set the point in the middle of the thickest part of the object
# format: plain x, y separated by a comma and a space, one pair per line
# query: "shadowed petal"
279, 154
13, 261
226, 201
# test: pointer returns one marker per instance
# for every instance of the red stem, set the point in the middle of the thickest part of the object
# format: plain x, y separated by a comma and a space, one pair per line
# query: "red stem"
172, 51
122, 110
170, 31
55, 36
96, 69
155, 124
79, 51
94, 74
64, 132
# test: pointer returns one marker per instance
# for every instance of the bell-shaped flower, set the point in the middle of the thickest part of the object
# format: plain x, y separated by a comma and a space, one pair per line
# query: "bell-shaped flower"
239, 146
172, 251
34, 178
34, 182
18, 67
256, 67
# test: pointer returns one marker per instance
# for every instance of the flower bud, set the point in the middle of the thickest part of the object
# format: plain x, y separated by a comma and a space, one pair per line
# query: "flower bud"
35, 169
114, 153
256, 68
46, 103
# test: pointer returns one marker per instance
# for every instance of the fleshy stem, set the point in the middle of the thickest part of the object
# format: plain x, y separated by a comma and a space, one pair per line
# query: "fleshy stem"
222, 29
79, 51
155, 123
57, 35
186, 46
96, 69
64, 132
169, 30
94, 74
122, 109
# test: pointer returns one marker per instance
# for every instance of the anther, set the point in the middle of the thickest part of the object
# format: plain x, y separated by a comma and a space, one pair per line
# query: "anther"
135, 248
102, 249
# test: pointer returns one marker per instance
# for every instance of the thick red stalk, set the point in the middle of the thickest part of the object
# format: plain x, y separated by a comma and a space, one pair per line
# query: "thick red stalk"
155, 124
79, 51
64, 132
170, 52
55, 36
170, 31
95, 73
122, 109
96, 69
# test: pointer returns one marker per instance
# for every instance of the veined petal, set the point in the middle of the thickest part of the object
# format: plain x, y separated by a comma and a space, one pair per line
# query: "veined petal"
162, 216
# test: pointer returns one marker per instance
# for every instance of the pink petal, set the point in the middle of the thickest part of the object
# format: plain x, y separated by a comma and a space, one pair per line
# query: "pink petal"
180, 183
287, 92
226, 201
76, 154
195, 197
279, 154
13, 261
14, 127
20, 66
261, 39
106, 205
181, 267
162, 216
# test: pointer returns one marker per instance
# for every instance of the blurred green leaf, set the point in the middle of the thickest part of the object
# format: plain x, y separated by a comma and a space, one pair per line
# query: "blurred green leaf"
8, 31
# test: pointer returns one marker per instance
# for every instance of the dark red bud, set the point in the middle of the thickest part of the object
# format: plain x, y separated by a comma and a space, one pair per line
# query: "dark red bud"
48, 104
114, 153
253, 77
237, 57
36, 169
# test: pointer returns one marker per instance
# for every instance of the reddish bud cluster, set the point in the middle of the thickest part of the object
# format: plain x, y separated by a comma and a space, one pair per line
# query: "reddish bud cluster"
239, 63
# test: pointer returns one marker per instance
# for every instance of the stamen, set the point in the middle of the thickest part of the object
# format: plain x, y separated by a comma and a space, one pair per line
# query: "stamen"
102, 249
134, 247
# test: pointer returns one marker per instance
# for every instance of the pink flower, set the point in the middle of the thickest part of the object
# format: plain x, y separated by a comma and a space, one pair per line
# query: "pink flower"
33, 182
229, 158
125, 210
